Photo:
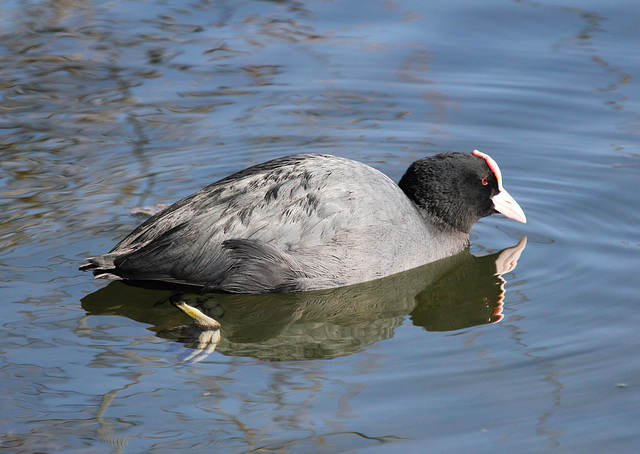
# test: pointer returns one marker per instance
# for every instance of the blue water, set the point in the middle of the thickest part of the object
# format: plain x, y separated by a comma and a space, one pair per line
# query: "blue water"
111, 107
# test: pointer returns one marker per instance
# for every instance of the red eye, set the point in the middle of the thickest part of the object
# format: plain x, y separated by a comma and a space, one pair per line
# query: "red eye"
485, 181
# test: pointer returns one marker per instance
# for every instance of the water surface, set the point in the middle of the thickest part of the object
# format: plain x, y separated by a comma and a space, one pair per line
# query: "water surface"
112, 106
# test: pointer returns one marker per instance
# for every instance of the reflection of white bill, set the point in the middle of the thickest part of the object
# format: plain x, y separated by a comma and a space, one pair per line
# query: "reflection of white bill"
508, 259
505, 263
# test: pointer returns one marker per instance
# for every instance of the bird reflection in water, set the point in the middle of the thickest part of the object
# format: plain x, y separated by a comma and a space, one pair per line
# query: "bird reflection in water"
454, 293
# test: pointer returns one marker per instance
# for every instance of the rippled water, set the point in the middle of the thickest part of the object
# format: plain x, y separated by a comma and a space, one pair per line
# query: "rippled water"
111, 107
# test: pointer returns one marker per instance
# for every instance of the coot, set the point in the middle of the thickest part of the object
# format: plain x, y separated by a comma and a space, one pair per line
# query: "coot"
312, 221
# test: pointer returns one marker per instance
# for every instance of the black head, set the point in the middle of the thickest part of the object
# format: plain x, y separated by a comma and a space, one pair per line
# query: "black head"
455, 190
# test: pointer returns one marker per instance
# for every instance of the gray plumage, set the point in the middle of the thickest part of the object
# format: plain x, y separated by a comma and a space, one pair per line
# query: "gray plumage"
302, 222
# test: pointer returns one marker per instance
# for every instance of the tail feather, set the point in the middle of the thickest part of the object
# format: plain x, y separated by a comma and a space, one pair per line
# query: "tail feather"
101, 265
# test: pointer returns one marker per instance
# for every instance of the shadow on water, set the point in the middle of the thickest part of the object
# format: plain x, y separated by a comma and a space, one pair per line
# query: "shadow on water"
452, 294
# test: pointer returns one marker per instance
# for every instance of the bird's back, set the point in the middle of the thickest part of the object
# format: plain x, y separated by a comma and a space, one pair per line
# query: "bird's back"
301, 222
295, 223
